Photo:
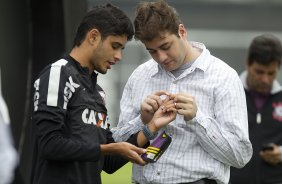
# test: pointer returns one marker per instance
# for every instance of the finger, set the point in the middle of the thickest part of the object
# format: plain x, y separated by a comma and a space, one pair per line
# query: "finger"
181, 111
166, 99
172, 109
140, 151
184, 98
161, 92
162, 96
172, 96
138, 160
168, 102
147, 107
154, 102
155, 99
184, 94
182, 106
169, 107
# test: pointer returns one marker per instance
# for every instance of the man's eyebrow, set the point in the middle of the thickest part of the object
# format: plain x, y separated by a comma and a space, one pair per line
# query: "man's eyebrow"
119, 44
164, 44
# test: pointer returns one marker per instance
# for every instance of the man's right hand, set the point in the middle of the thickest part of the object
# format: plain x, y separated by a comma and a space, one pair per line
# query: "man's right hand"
126, 150
150, 105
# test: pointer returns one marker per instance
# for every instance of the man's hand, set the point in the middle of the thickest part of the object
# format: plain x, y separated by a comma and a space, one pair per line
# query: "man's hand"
150, 105
273, 157
126, 150
164, 115
185, 105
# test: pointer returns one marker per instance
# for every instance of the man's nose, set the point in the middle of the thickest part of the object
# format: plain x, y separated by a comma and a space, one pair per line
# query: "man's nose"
118, 56
265, 78
162, 56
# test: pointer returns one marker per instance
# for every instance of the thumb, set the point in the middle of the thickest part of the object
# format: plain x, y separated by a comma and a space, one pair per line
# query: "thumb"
140, 150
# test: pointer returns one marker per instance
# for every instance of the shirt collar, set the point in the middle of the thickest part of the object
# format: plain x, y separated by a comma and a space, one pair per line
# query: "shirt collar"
201, 62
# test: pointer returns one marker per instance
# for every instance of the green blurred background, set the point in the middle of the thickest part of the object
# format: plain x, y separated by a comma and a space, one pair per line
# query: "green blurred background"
121, 176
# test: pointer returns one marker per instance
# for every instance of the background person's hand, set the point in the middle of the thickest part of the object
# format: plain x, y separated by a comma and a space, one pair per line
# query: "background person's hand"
273, 157
150, 105
185, 105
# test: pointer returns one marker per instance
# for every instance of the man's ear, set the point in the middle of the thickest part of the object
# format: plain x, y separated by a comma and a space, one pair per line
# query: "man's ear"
93, 35
182, 31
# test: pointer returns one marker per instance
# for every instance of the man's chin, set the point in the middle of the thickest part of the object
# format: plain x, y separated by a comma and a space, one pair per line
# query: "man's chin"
102, 71
264, 91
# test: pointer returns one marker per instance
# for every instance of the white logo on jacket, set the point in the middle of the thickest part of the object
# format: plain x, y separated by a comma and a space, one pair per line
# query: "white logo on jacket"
95, 118
69, 90
36, 94
277, 112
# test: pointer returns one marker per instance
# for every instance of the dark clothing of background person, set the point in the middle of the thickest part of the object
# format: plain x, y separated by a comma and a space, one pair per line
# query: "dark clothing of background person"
265, 126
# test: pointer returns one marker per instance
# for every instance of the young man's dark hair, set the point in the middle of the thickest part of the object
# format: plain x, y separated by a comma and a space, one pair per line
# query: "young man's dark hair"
108, 19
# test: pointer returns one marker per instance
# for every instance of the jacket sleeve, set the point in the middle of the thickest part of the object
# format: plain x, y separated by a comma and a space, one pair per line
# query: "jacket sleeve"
53, 90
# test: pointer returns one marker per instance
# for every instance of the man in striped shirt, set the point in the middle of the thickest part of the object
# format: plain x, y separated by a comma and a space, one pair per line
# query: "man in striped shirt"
210, 132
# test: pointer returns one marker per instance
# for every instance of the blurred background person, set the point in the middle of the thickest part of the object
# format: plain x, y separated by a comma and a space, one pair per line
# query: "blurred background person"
264, 102
8, 154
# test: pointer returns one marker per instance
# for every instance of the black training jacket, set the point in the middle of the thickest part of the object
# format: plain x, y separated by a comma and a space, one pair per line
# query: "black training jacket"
264, 127
69, 123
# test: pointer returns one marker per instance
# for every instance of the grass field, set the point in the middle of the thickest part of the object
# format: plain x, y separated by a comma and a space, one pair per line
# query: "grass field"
121, 176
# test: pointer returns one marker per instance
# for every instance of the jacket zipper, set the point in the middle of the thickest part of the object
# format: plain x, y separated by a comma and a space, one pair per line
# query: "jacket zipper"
258, 118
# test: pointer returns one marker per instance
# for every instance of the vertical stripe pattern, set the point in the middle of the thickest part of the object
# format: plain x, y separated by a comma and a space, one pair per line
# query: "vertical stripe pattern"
54, 82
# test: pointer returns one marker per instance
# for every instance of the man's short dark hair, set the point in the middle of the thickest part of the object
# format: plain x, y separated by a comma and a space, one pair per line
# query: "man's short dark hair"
265, 49
108, 19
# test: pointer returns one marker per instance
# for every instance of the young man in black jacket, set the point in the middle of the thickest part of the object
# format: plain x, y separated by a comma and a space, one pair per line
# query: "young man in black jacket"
264, 102
72, 141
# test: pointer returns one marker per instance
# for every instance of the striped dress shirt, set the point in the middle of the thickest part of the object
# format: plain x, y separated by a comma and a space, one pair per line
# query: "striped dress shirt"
207, 145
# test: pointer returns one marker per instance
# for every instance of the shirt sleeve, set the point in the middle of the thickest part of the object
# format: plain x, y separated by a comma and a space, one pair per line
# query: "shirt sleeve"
53, 91
225, 136
129, 119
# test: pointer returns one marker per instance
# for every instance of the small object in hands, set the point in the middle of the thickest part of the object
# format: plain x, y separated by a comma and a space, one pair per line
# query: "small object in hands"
267, 147
163, 97
157, 148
